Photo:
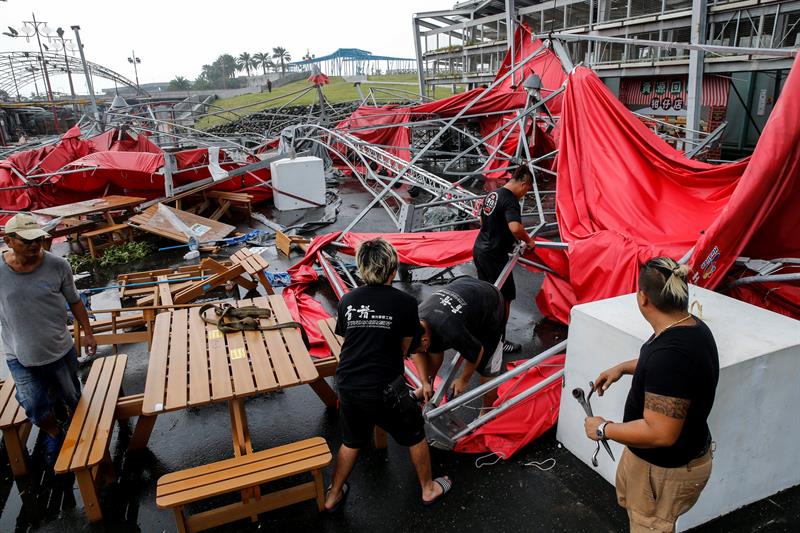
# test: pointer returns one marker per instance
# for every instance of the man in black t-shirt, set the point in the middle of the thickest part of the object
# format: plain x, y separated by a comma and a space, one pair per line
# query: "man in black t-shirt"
667, 461
468, 316
378, 323
501, 228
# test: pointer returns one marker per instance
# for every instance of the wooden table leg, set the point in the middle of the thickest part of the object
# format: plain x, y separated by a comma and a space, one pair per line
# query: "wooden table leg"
16, 439
141, 433
239, 429
325, 393
241, 444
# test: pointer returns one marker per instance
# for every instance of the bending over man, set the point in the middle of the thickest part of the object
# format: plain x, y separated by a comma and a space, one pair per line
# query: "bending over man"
378, 323
467, 315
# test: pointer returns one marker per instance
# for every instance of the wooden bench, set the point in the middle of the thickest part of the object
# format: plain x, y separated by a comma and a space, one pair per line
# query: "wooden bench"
221, 275
123, 231
285, 242
85, 449
226, 200
245, 473
15, 426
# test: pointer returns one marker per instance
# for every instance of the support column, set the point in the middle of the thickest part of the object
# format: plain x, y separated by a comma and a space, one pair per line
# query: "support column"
694, 89
511, 17
418, 52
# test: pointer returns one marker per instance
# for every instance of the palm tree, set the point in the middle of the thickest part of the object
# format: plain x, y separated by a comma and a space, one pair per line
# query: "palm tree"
262, 60
244, 62
282, 55
180, 84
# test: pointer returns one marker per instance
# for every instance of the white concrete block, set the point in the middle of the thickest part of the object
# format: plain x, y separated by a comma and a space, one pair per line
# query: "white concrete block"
297, 179
754, 422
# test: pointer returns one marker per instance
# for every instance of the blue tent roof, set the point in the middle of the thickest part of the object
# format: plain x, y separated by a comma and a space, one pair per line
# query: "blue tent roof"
352, 53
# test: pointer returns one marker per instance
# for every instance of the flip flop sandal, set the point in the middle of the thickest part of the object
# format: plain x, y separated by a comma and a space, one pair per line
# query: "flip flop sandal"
340, 503
511, 347
446, 485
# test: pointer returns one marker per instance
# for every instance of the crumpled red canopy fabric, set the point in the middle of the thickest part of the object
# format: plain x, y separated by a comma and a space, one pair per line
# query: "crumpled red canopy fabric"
632, 196
516, 427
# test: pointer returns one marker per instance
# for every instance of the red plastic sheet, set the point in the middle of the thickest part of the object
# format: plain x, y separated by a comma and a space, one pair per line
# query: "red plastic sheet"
632, 196
516, 427
113, 161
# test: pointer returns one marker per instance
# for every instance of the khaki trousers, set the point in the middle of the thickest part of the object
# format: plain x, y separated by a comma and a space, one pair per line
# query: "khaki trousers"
654, 496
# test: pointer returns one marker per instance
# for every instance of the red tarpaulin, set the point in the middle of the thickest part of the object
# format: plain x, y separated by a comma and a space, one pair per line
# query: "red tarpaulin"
113, 161
631, 196
527, 420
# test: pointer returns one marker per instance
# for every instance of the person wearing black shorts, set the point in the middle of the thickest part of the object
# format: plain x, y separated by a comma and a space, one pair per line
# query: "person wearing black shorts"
501, 228
379, 324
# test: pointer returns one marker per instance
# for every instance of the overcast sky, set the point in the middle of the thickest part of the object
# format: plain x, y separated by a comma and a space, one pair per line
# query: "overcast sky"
175, 38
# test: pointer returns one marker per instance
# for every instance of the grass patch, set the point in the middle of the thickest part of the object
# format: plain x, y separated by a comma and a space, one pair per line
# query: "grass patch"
337, 91
117, 254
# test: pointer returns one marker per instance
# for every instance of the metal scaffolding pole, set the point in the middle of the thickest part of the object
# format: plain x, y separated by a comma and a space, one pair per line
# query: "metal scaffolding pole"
89, 84
694, 89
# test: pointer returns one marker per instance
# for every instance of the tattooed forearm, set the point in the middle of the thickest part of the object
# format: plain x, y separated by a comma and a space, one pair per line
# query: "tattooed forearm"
666, 405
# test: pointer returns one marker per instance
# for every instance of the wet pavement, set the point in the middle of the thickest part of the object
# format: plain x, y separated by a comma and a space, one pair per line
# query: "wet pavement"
542, 488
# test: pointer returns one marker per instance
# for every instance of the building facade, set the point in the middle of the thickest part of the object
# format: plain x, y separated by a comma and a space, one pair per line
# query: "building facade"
466, 44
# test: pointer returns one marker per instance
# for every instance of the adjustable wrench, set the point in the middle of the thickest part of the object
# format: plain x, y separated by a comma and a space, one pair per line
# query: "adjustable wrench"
578, 394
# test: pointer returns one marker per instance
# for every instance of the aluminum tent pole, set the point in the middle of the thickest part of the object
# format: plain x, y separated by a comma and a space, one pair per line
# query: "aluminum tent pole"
430, 143
480, 390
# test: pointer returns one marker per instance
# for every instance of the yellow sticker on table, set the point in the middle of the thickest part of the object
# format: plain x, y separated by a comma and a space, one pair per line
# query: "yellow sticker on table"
237, 353
215, 334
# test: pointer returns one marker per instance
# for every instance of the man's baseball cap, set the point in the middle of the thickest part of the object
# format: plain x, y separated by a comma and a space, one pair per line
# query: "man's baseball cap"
25, 227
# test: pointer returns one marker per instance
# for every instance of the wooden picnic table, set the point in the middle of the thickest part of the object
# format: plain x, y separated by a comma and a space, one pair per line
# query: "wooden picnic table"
89, 207
192, 364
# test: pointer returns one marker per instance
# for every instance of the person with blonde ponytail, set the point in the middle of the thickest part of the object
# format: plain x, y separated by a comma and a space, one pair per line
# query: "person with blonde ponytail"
667, 459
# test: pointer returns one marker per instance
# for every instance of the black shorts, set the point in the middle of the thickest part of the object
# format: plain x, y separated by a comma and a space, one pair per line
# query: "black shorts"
360, 413
489, 268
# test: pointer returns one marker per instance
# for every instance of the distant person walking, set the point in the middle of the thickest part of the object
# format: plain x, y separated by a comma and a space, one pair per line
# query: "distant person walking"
269, 85
378, 323
501, 228
667, 461
36, 287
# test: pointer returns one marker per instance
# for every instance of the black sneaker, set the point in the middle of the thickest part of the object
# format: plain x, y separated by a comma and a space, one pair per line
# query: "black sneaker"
52, 445
511, 347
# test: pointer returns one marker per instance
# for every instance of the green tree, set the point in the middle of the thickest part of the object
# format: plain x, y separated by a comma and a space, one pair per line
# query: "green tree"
244, 62
282, 55
262, 60
201, 83
180, 84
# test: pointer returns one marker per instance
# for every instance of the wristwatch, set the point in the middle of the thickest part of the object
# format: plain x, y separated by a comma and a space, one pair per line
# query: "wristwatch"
601, 430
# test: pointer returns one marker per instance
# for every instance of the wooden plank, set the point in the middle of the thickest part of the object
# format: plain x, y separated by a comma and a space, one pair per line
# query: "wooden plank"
164, 293
199, 381
225, 464
260, 361
218, 363
279, 356
109, 406
240, 510
243, 383
87, 207
152, 221
84, 447
178, 370
68, 448
154, 388
327, 327
8, 404
239, 478
294, 341
200, 287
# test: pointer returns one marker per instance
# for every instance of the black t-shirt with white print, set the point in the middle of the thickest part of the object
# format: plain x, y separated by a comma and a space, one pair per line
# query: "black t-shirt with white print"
373, 320
466, 315
500, 208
